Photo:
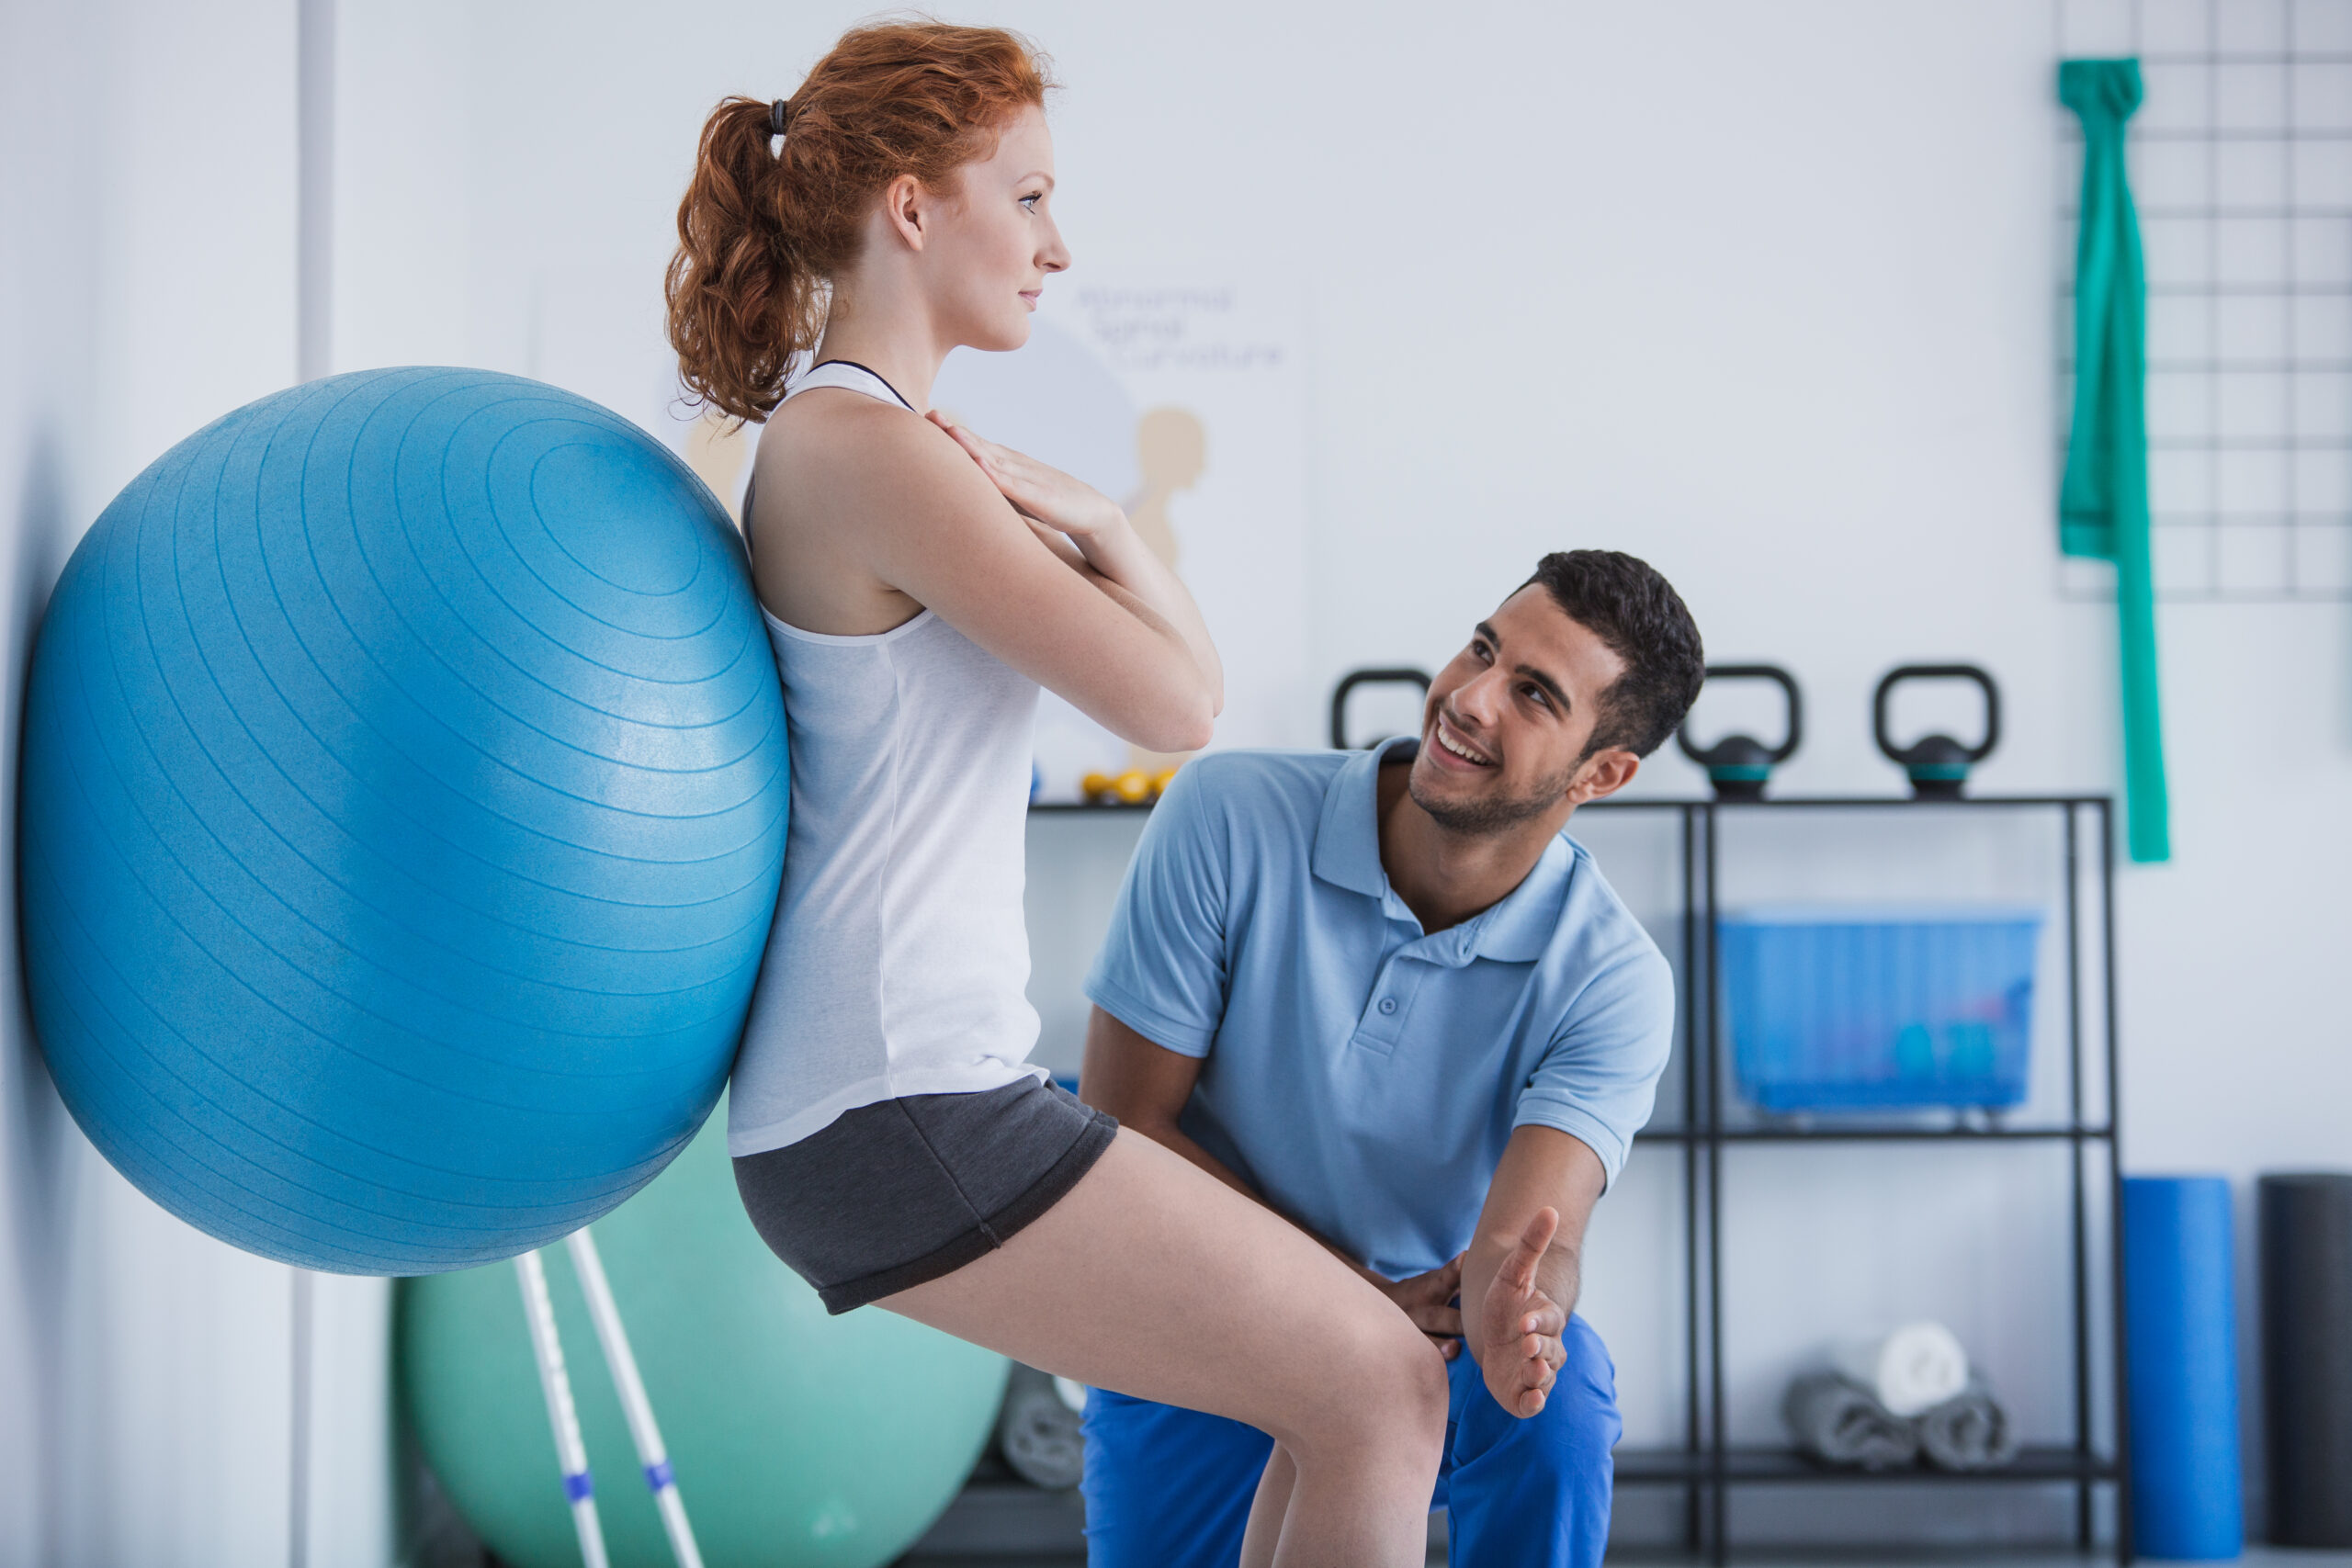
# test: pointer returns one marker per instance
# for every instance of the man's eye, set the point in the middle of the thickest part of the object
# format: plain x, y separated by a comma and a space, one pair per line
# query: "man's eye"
1538, 693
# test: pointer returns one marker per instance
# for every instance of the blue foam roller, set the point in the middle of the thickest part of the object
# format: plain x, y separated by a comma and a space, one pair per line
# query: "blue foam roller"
404, 804
2180, 1327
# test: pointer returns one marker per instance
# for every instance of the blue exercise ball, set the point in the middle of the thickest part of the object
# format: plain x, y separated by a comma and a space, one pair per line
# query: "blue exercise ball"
402, 808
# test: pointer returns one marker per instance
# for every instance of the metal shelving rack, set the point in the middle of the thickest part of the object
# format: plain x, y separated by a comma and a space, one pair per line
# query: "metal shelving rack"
1706, 1467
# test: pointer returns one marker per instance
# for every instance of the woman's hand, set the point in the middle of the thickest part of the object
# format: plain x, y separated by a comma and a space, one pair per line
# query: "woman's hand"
1067, 506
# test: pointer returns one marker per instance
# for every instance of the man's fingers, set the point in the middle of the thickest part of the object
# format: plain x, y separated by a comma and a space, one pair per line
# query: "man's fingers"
1518, 1269
1523, 1389
1439, 1319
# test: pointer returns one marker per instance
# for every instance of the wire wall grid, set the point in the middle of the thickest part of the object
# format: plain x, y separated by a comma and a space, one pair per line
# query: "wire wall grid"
2241, 166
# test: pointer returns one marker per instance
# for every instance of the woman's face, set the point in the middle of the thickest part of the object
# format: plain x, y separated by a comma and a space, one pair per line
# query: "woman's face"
996, 240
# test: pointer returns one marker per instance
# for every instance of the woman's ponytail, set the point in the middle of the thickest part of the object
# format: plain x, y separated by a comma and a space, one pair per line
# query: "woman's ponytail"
764, 226
739, 306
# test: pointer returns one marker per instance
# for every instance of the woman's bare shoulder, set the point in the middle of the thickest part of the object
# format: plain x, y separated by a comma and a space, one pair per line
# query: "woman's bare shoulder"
833, 455
848, 492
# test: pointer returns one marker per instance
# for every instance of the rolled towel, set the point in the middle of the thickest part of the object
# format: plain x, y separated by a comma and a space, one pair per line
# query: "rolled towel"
1838, 1421
1038, 1431
1912, 1369
1968, 1431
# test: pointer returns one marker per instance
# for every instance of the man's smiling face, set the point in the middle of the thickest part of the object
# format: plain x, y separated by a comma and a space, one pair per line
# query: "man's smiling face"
1504, 731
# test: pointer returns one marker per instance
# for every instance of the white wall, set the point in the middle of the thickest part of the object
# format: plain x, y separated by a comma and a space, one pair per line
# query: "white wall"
1761, 293
146, 287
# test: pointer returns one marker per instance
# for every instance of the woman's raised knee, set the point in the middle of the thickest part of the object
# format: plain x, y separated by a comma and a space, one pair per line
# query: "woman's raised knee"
1388, 1391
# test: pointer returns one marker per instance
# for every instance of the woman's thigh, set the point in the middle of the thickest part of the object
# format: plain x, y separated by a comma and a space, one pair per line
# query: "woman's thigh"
1151, 1278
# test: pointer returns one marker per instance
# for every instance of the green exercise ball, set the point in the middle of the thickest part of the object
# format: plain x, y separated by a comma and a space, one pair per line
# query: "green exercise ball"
798, 1440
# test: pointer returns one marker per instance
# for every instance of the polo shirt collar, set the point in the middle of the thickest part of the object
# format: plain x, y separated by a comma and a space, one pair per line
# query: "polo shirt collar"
1347, 840
1518, 929
1347, 855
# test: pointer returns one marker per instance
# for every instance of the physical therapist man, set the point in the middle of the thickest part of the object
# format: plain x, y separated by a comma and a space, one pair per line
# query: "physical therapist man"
1385, 995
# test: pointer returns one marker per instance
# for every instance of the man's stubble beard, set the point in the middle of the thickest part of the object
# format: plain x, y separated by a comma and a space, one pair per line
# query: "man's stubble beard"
1481, 818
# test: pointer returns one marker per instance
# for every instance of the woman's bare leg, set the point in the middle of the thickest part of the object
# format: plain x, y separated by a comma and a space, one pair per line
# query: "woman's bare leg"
1268, 1509
1153, 1280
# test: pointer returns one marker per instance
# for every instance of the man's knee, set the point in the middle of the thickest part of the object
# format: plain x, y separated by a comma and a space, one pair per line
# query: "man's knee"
1535, 1493
1577, 1428
1166, 1487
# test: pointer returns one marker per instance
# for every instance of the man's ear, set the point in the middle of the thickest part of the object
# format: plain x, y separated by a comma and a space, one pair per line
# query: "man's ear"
1603, 773
907, 208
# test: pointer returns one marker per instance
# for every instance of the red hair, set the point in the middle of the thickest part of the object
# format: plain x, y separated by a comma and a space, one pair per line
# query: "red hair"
761, 234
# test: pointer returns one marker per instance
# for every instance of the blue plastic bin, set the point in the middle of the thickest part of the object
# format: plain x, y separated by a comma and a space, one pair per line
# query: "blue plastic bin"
1843, 1008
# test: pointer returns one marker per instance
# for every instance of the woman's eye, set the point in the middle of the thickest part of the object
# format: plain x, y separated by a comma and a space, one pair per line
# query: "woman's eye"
1030, 200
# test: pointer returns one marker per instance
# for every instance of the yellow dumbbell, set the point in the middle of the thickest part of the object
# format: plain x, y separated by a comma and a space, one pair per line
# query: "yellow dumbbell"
1132, 788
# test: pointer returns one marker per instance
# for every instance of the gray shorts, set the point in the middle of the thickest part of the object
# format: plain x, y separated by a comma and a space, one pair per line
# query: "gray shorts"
901, 1192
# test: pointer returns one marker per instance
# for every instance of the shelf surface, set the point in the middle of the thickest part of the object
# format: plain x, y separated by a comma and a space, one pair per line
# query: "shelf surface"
1842, 801
1003, 1516
1679, 803
1755, 1134
1767, 1466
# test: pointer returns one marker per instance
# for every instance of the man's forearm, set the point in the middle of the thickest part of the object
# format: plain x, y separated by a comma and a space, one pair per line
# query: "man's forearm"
1542, 1167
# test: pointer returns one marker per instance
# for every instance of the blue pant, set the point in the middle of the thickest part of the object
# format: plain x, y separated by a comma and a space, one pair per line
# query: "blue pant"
1171, 1488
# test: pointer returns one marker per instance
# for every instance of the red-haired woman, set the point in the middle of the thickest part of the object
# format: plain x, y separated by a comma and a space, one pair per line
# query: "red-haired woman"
891, 1142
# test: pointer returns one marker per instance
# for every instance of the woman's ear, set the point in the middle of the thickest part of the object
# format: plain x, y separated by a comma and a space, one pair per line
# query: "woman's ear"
908, 207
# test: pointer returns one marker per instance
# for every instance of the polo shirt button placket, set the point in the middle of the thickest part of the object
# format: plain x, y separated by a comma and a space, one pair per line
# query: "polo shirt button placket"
1392, 991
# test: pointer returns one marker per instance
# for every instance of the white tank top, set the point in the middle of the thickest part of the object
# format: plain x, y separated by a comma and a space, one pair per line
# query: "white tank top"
898, 963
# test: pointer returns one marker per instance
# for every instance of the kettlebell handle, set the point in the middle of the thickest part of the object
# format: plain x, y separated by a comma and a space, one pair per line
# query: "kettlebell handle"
1896, 677
1772, 672
1401, 675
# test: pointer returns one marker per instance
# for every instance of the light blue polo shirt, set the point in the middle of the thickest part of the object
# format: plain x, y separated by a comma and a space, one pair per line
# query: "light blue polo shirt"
1361, 1074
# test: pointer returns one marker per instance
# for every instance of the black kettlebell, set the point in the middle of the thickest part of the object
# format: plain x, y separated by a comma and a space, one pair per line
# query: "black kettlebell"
1400, 676
1938, 765
1738, 765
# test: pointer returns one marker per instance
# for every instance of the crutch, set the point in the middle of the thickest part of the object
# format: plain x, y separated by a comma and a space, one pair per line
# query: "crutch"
570, 1452
622, 1363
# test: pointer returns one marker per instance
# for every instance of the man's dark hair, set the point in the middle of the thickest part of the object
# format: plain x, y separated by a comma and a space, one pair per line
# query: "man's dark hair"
1626, 603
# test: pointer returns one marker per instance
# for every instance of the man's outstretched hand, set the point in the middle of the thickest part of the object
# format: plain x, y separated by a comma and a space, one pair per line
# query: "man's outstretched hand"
1520, 1327
1429, 1300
